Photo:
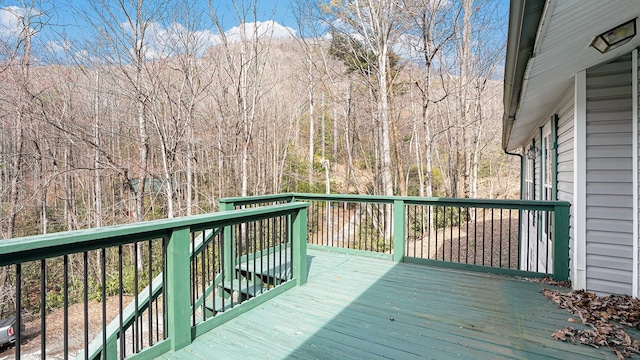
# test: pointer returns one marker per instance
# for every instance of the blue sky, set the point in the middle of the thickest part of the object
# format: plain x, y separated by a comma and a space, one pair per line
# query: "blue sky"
68, 19
69, 33
277, 10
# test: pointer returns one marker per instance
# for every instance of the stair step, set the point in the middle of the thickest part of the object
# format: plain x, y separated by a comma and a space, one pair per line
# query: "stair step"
249, 290
228, 304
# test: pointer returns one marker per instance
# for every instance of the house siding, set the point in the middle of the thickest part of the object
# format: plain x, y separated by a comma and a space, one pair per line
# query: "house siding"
564, 160
564, 108
609, 191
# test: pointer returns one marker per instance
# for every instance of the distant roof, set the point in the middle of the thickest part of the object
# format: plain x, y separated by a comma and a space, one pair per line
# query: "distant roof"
547, 44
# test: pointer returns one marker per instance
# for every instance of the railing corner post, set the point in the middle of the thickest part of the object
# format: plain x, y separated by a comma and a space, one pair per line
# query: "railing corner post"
227, 248
224, 205
561, 242
178, 287
299, 243
399, 226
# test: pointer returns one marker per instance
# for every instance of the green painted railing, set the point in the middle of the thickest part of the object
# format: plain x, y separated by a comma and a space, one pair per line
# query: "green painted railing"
518, 237
166, 262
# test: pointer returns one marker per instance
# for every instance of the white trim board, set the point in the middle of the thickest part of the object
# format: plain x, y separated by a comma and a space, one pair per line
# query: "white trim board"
634, 157
579, 274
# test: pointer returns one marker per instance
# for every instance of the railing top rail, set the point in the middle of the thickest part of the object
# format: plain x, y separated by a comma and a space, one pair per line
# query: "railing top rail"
414, 200
17, 250
255, 199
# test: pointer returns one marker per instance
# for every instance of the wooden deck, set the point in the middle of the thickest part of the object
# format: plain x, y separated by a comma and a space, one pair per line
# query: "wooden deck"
362, 308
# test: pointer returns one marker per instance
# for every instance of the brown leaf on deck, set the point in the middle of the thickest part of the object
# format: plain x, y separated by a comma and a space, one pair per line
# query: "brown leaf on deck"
603, 316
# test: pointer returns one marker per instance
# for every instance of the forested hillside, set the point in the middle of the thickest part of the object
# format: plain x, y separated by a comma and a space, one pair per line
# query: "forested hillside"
386, 97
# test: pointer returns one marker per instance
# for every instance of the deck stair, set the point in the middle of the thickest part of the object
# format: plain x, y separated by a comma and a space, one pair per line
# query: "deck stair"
243, 288
271, 269
232, 293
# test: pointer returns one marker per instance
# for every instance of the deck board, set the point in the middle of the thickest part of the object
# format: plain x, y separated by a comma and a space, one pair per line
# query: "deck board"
364, 308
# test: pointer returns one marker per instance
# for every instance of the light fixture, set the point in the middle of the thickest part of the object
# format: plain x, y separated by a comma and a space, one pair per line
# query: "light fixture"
532, 151
615, 37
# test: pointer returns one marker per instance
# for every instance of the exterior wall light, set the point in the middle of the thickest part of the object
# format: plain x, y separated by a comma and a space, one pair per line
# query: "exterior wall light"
615, 37
532, 151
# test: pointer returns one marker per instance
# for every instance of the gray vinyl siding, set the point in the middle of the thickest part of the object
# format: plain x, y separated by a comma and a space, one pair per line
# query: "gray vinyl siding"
565, 146
609, 192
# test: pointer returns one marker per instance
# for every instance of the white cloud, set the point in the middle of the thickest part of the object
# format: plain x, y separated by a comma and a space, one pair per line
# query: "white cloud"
11, 21
82, 56
176, 39
56, 47
161, 41
270, 29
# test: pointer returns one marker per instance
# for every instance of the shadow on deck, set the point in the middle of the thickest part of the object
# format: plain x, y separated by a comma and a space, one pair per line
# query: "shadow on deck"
362, 308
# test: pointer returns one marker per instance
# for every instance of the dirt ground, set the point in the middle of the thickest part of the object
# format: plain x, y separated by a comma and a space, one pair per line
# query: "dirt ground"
480, 242
486, 239
32, 337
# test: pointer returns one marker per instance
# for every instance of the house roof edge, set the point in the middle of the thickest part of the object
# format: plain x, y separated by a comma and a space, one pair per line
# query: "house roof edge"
524, 20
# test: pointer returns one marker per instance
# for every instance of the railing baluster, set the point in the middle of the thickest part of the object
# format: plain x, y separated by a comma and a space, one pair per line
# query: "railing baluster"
342, 219
435, 229
348, 219
65, 304
459, 223
412, 223
450, 225
500, 239
137, 328
255, 251
18, 344
149, 308
492, 235
429, 226
194, 284
510, 221
528, 249
103, 266
357, 226
123, 351
283, 241
444, 233
290, 244
262, 247
277, 226
548, 240
467, 219
365, 238
203, 276
326, 223
320, 223
484, 231
223, 261
43, 307
165, 308
538, 241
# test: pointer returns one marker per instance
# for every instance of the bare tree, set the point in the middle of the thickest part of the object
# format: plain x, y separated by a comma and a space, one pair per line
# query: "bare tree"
375, 23
124, 28
242, 66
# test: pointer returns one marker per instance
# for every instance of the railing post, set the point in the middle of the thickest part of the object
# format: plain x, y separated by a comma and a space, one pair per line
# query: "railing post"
299, 243
227, 248
561, 242
178, 289
399, 225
